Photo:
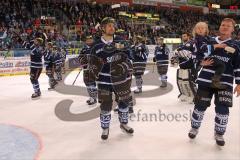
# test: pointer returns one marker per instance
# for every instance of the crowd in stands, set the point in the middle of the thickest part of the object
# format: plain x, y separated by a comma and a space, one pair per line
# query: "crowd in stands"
18, 19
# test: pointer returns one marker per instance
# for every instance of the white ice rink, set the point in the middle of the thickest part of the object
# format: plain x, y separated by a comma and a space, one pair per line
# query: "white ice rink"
60, 135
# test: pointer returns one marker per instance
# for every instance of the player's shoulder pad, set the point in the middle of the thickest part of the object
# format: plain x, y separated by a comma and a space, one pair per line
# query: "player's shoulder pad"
236, 45
84, 49
211, 39
97, 41
233, 43
191, 41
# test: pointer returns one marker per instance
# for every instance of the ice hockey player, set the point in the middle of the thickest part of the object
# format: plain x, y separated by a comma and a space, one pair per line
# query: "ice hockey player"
140, 55
120, 33
203, 51
58, 59
37, 51
113, 61
187, 73
49, 63
161, 57
205, 91
83, 59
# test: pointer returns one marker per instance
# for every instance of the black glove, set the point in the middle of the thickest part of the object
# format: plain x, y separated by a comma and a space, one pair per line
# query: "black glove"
83, 59
154, 59
118, 70
94, 66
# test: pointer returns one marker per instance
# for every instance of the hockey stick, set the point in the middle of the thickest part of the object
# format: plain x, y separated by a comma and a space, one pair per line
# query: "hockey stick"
76, 77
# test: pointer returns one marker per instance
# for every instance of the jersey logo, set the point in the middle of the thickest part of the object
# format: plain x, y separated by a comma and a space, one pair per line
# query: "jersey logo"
224, 59
113, 58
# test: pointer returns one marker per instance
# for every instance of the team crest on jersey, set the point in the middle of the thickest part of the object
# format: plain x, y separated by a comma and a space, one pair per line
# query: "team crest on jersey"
99, 50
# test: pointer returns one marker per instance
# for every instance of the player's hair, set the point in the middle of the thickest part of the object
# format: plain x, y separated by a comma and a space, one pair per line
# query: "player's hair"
140, 39
187, 33
40, 40
229, 20
162, 38
199, 24
50, 44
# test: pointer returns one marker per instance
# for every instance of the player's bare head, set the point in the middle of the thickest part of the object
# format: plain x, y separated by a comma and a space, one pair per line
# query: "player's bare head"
108, 26
186, 37
50, 45
139, 39
227, 26
160, 40
88, 39
38, 41
201, 28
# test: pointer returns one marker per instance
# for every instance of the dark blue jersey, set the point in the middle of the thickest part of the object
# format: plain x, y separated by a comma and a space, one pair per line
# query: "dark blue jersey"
187, 63
105, 50
231, 61
200, 47
58, 58
161, 54
140, 53
84, 52
35, 55
49, 58
190, 46
204, 47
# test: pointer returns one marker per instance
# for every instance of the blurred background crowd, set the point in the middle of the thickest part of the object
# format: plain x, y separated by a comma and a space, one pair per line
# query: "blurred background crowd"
65, 23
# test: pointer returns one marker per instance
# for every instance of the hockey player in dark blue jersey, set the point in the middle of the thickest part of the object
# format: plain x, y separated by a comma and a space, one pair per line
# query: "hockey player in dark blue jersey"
140, 55
49, 63
37, 51
204, 48
114, 57
226, 50
58, 60
161, 57
83, 59
122, 34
